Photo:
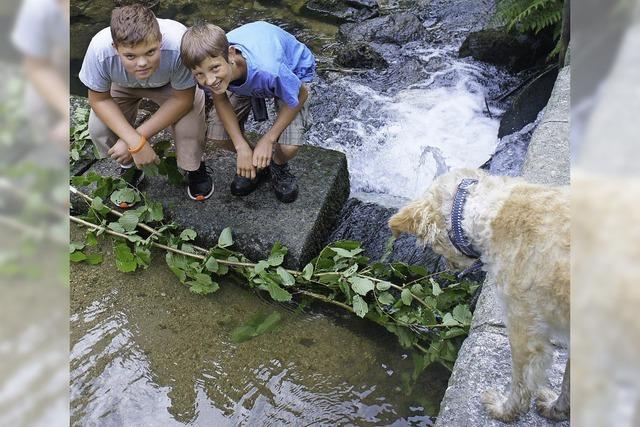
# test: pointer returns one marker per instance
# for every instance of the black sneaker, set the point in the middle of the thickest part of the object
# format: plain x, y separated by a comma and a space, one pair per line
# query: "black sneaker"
132, 176
284, 183
241, 186
199, 183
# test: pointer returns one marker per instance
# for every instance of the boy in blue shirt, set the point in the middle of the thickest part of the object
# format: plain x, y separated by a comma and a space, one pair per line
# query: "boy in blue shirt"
258, 60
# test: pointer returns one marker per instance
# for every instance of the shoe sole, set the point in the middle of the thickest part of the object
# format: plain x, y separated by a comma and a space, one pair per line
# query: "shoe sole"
200, 197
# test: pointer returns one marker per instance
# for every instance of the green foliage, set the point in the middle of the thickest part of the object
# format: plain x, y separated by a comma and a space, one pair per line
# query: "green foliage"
532, 15
426, 311
257, 325
79, 134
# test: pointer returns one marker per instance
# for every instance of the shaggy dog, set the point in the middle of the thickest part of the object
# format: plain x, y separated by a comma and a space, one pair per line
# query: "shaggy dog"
522, 232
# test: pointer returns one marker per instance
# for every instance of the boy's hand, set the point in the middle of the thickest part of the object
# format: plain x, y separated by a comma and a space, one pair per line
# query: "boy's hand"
146, 156
120, 152
262, 153
244, 163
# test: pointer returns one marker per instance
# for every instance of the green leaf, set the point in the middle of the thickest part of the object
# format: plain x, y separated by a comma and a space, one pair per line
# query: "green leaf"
188, 234
143, 256
287, 278
212, 264
307, 272
125, 261
203, 288
225, 239
117, 227
360, 285
454, 332
126, 195
360, 306
98, 205
94, 259
385, 298
91, 239
406, 296
75, 247
77, 256
261, 266
462, 314
448, 320
383, 286
269, 323
129, 221
155, 211
177, 266
350, 271
277, 293
151, 170
277, 254
435, 288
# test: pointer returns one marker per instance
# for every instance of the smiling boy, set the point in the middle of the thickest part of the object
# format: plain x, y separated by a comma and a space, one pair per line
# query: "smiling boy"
137, 57
258, 60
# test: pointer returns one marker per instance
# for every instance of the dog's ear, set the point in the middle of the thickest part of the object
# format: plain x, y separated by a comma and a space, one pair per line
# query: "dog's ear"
415, 218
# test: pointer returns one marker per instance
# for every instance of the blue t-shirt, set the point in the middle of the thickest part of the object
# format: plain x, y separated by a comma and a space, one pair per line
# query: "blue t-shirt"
277, 63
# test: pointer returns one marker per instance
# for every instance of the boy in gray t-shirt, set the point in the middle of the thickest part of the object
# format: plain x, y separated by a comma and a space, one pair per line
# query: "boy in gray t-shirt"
139, 57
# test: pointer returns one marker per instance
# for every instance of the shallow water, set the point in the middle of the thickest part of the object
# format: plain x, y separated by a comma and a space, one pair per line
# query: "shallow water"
145, 351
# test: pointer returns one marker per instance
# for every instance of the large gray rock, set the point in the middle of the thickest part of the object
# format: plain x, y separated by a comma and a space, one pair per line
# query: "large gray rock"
359, 55
259, 220
513, 50
399, 28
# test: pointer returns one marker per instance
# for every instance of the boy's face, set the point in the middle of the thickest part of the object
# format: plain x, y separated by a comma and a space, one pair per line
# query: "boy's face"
141, 60
214, 73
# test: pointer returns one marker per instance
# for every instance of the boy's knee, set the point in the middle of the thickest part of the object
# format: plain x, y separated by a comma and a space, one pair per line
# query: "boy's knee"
289, 150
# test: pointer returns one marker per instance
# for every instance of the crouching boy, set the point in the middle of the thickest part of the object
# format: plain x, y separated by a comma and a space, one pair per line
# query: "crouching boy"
258, 60
137, 57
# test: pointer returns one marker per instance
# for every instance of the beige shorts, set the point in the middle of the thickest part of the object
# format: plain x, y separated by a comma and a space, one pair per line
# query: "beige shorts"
292, 135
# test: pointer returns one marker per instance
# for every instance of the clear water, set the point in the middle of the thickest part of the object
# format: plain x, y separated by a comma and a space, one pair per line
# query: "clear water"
145, 351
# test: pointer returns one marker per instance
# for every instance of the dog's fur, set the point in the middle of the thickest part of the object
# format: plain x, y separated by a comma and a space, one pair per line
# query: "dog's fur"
522, 231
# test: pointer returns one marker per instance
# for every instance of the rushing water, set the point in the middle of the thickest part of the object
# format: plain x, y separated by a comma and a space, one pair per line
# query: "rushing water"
145, 351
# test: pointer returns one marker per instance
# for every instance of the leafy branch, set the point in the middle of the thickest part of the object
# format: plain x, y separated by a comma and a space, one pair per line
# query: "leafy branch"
427, 312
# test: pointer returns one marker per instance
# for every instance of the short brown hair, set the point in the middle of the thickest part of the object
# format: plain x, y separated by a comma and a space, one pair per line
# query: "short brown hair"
132, 25
202, 41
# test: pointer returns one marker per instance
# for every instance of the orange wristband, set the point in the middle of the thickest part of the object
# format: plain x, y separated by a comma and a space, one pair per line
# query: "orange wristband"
140, 146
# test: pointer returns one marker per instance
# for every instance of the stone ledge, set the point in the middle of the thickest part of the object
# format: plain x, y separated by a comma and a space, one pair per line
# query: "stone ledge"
484, 363
259, 220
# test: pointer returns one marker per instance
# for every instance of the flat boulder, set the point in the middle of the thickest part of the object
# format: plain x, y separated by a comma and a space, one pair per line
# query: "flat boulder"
343, 10
258, 220
398, 28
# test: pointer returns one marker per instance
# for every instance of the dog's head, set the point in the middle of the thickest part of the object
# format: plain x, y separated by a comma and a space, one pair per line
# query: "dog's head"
428, 217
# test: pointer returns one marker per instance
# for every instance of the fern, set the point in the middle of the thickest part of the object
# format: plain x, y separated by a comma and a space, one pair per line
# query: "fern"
532, 15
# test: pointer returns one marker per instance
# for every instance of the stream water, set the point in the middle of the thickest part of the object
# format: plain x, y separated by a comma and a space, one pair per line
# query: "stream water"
144, 351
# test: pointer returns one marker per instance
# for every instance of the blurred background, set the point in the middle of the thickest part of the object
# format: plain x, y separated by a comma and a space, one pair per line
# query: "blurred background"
34, 85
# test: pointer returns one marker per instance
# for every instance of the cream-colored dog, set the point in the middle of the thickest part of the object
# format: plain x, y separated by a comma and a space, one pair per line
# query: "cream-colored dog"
522, 232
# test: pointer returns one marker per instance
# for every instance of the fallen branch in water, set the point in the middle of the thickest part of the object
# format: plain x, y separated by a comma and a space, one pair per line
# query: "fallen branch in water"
429, 316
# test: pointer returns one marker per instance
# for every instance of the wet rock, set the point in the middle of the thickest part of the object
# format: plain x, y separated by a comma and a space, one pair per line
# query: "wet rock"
528, 102
359, 55
258, 220
343, 10
367, 223
399, 28
513, 50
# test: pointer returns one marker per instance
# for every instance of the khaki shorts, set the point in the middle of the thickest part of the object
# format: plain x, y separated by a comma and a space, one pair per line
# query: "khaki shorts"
292, 135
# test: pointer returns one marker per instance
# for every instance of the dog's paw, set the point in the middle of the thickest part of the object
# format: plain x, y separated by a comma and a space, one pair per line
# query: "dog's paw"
548, 405
496, 405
